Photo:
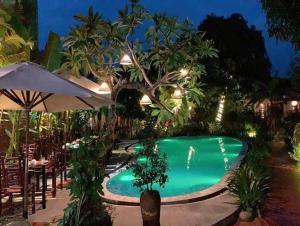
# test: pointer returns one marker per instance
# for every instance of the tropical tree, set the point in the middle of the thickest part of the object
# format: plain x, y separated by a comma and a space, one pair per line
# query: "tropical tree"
283, 18
161, 55
243, 64
13, 47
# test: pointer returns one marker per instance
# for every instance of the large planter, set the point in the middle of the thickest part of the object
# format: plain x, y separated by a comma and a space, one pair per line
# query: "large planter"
150, 208
246, 216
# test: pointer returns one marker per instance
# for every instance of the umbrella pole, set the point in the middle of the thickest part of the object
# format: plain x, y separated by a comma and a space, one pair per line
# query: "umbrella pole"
25, 186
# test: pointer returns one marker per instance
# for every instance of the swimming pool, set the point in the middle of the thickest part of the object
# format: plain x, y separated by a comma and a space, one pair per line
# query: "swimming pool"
194, 164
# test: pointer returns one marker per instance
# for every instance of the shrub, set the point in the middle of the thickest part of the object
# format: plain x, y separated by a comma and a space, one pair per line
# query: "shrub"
250, 187
296, 134
87, 175
296, 153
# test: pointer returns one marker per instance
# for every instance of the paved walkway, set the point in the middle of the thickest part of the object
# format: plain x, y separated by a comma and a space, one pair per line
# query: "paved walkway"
283, 204
203, 213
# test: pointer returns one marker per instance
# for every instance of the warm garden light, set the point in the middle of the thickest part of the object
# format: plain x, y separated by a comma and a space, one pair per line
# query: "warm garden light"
104, 88
177, 94
220, 109
294, 103
262, 110
145, 100
126, 60
184, 72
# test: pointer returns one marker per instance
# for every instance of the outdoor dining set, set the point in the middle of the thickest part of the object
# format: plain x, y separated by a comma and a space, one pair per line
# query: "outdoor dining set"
47, 161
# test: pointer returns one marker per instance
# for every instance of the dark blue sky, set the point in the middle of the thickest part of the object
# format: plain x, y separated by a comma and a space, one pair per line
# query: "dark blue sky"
57, 16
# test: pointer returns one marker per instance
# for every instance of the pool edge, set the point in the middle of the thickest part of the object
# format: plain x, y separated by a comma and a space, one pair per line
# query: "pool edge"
208, 193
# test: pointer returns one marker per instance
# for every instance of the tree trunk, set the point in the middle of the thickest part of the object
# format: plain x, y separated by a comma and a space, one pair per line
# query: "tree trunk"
112, 116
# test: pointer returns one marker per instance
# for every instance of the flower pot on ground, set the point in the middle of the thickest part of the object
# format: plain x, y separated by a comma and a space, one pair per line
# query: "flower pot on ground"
150, 173
150, 206
246, 216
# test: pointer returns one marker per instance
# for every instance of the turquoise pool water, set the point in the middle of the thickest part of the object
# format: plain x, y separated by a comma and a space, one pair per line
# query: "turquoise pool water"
195, 163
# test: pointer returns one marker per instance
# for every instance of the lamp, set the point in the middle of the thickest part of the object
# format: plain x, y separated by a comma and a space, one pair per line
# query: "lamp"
184, 72
145, 100
294, 103
126, 60
177, 93
104, 88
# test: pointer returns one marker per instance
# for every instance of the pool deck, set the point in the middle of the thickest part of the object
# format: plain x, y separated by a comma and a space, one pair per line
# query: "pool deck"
202, 213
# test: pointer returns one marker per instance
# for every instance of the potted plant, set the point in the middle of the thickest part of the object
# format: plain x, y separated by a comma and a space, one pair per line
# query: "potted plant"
149, 172
251, 188
87, 175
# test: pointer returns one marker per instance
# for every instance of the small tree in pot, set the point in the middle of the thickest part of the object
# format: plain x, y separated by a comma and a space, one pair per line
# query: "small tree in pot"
147, 173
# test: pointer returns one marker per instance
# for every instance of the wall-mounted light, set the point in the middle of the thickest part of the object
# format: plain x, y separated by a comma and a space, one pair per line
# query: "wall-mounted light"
145, 100
126, 60
104, 88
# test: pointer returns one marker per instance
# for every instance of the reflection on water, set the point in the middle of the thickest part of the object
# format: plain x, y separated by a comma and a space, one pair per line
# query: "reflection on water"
223, 151
194, 164
190, 155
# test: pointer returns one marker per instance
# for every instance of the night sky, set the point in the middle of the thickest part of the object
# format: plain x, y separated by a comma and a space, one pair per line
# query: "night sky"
57, 16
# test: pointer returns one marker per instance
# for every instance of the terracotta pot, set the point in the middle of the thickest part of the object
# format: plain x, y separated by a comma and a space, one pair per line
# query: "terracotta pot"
150, 208
246, 216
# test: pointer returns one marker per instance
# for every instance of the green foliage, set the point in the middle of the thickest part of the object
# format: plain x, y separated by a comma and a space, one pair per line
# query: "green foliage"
296, 153
14, 47
243, 62
283, 18
52, 56
87, 175
96, 45
214, 127
153, 169
250, 187
13, 132
257, 155
296, 134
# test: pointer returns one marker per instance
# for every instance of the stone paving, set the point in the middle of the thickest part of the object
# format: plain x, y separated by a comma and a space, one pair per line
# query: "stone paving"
203, 213
283, 204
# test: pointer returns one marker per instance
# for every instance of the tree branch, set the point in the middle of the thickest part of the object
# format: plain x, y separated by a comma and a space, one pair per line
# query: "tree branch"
136, 63
140, 88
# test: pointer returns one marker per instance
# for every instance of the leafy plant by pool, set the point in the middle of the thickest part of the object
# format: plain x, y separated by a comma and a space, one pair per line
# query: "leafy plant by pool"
251, 188
151, 168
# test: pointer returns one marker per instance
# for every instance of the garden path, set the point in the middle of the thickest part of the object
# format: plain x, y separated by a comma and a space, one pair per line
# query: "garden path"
283, 204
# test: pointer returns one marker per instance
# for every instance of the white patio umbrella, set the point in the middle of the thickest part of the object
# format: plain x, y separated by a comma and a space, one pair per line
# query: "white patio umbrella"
28, 86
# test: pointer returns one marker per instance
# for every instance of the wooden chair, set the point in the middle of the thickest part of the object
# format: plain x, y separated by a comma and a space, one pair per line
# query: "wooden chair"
13, 180
32, 151
2, 181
